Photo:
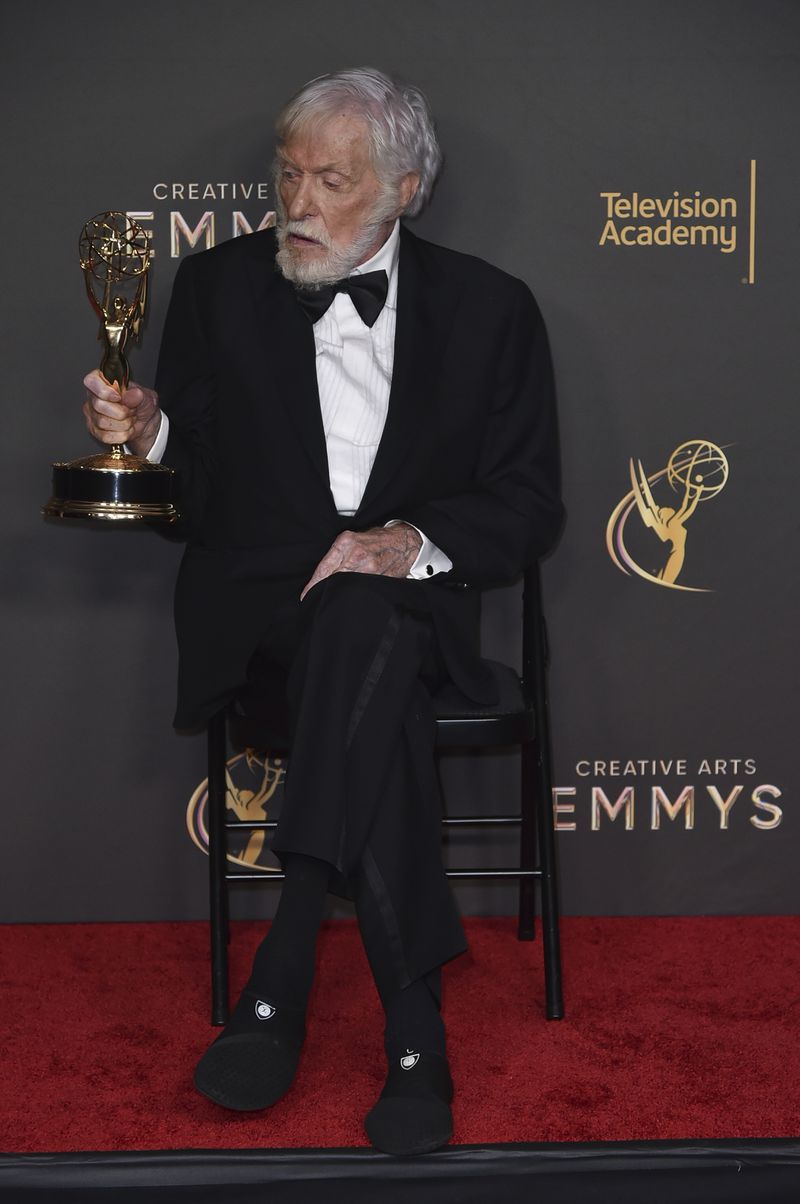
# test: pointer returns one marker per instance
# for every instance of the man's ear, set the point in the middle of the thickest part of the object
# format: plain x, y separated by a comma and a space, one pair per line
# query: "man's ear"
408, 187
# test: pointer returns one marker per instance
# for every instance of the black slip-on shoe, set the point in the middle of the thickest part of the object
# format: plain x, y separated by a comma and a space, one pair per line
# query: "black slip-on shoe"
412, 1115
247, 1071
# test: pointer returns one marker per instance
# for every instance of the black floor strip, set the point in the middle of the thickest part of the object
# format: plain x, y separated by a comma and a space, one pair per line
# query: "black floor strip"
660, 1172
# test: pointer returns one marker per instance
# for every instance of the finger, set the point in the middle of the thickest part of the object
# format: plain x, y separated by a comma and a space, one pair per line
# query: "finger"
111, 409
320, 575
133, 396
111, 437
107, 430
88, 414
331, 562
114, 425
326, 568
120, 436
358, 559
136, 397
314, 580
98, 386
333, 558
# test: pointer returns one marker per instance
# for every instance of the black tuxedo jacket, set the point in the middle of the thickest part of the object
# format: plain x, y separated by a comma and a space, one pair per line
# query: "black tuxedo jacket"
468, 453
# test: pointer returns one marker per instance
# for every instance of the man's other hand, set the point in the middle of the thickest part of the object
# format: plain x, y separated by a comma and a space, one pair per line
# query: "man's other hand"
133, 417
385, 551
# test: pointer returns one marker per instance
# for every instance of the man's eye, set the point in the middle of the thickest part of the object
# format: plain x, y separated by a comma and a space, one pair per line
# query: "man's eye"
332, 185
288, 174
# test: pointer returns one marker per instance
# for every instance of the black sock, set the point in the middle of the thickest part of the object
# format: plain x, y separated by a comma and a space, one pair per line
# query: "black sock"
283, 967
413, 1021
412, 1115
412, 1012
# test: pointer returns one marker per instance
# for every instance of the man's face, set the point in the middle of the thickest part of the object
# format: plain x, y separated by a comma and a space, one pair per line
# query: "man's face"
334, 212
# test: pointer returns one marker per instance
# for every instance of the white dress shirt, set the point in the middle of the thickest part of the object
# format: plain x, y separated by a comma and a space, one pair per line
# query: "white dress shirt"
354, 376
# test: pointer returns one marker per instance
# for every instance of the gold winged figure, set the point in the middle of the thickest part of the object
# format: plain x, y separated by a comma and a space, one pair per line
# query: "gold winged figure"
669, 524
251, 804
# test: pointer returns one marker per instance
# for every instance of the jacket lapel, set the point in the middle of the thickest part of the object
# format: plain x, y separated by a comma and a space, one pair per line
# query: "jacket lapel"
286, 354
425, 311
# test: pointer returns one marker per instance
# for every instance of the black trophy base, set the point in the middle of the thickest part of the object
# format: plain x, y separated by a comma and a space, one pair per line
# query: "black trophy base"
112, 488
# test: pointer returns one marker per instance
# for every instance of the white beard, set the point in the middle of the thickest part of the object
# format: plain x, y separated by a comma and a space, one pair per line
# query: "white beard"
339, 261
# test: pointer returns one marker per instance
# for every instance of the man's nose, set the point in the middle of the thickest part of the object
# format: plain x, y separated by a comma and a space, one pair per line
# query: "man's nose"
301, 203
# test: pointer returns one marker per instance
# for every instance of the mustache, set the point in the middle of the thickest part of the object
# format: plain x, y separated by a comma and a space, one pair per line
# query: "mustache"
307, 229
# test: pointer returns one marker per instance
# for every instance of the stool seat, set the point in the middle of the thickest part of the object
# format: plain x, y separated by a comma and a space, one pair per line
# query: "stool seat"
460, 722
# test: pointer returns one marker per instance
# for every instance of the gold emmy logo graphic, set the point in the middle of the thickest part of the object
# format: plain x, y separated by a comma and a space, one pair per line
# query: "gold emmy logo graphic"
696, 472
251, 782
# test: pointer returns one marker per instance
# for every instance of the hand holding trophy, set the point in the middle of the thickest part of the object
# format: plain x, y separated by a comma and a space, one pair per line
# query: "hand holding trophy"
115, 257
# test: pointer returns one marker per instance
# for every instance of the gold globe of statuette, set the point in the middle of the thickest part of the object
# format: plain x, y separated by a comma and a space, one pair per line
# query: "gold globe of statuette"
113, 486
699, 466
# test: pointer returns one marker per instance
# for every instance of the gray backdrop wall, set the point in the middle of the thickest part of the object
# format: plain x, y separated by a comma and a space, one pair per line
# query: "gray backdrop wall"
637, 164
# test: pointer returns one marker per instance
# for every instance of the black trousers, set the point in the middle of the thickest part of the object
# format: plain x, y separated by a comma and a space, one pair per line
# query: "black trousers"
357, 663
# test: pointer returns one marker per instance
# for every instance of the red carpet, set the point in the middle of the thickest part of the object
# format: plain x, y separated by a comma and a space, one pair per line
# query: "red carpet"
675, 1028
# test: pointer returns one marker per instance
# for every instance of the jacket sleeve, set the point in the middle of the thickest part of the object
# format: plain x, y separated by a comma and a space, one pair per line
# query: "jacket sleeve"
511, 513
187, 394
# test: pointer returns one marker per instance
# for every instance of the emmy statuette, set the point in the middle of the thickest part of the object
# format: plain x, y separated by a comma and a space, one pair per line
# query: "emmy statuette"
113, 486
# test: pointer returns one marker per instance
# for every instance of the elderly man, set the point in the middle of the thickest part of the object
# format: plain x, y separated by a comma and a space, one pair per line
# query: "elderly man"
363, 424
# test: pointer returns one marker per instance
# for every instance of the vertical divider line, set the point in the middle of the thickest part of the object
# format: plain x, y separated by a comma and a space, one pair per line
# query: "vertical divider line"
751, 274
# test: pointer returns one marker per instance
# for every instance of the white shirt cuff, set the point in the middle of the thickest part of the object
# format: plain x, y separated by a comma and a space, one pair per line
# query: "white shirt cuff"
430, 559
159, 444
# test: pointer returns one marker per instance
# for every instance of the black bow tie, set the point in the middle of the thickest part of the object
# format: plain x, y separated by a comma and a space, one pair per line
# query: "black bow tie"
367, 292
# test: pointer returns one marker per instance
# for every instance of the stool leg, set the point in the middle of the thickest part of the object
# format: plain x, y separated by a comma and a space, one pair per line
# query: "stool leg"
527, 858
554, 1002
217, 850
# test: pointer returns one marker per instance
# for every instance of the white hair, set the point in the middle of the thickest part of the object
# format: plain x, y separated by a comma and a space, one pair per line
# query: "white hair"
401, 131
